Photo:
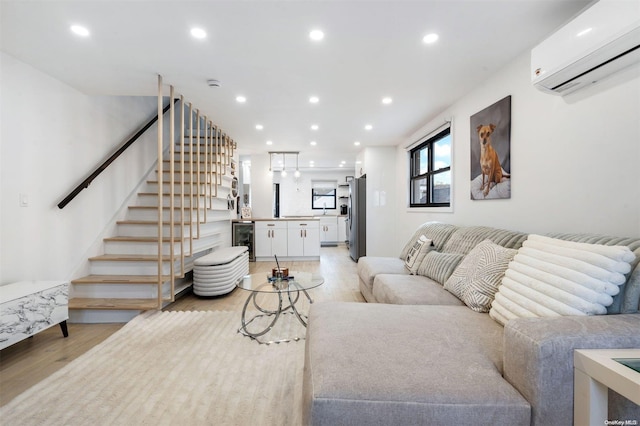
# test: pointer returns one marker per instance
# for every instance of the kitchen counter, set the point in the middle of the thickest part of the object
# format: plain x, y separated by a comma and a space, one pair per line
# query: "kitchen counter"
280, 219
286, 218
294, 237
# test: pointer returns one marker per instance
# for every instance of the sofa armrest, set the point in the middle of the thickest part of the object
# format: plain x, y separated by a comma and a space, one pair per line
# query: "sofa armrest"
538, 358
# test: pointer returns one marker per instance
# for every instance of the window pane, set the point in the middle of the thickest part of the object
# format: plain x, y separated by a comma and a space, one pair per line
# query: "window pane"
442, 153
324, 202
441, 189
430, 171
424, 161
419, 191
323, 194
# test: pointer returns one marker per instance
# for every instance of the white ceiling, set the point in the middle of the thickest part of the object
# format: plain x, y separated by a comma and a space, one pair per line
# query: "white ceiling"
261, 49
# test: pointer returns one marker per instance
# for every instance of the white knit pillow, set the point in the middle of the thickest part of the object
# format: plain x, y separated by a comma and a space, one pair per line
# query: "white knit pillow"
417, 252
476, 279
550, 277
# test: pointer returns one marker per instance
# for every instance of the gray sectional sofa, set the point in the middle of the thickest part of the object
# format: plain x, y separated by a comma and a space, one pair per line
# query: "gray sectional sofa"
417, 355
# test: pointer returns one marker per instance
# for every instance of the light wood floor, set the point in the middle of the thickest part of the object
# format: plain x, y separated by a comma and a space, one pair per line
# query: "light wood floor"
28, 362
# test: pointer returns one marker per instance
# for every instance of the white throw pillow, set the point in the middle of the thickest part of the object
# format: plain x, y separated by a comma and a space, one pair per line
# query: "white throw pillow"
417, 252
477, 278
551, 277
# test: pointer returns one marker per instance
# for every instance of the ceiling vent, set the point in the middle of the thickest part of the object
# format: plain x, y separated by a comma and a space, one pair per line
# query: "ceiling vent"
213, 83
602, 40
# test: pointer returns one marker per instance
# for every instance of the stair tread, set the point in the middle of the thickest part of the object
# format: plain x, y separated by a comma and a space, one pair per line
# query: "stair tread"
156, 207
178, 196
177, 208
177, 162
167, 194
126, 238
113, 304
225, 176
119, 279
154, 222
129, 258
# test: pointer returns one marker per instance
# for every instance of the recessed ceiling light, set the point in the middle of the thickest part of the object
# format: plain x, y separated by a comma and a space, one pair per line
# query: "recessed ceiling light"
313, 143
430, 38
241, 99
80, 30
343, 162
341, 165
259, 127
269, 143
358, 162
387, 100
311, 164
356, 143
368, 127
314, 127
198, 33
314, 99
316, 35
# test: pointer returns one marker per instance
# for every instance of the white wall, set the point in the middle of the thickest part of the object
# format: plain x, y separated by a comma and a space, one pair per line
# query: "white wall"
52, 136
379, 164
575, 160
295, 193
261, 187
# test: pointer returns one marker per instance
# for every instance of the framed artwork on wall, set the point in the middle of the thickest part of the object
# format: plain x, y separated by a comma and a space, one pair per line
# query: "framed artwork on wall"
491, 151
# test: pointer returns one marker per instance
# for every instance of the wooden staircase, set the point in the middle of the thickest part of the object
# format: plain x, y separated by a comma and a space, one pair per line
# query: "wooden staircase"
130, 276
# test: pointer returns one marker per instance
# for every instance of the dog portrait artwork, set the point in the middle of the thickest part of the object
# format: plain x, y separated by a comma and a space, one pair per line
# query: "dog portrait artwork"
490, 152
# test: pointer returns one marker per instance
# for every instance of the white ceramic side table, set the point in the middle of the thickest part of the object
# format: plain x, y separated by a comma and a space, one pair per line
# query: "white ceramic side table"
595, 372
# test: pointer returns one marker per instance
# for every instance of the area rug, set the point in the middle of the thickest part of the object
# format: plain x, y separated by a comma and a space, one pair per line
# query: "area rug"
186, 368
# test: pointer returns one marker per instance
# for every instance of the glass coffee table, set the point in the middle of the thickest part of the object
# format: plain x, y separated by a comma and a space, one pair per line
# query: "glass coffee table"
594, 372
288, 294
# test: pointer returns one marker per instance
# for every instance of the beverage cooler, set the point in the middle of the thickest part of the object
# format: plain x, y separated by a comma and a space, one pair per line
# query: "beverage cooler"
243, 235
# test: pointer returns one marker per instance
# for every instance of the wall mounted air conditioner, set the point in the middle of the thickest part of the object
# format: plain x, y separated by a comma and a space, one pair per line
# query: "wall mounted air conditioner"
603, 39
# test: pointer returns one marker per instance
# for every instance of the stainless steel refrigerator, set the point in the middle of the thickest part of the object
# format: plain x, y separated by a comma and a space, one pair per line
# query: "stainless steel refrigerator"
357, 217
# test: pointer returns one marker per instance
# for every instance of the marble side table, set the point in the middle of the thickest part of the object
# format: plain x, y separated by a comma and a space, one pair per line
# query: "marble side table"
28, 307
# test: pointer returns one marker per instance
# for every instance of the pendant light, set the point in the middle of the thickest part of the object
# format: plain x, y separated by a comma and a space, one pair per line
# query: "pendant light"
283, 173
297, 172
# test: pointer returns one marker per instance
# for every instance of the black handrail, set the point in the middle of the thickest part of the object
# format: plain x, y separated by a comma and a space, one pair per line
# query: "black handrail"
85, 184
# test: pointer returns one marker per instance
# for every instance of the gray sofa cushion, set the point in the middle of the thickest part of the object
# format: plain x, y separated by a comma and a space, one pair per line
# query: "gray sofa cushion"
538, 359
411, 290
437, 232
399, 365
368, 267
466, 238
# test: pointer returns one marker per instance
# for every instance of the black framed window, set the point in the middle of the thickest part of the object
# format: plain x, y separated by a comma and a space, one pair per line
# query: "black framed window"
323, 195
430, 172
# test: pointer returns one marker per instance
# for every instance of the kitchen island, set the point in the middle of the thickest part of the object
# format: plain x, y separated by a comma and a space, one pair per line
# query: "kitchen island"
289, 238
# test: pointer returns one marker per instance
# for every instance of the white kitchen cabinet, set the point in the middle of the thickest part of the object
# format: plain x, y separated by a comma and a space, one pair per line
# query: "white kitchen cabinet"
304, 238
328, 230
271, 239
